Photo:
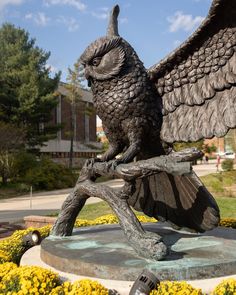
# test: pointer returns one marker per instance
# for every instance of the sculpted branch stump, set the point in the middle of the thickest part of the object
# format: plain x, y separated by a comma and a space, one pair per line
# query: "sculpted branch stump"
147, 245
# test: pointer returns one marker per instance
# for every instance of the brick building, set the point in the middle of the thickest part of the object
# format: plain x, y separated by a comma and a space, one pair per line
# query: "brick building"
85, 140
224, 144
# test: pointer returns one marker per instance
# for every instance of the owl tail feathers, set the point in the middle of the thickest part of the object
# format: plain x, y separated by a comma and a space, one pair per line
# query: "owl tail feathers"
181, 200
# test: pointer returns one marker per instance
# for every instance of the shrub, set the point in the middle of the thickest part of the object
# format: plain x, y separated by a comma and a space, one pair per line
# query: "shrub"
48, 175
24, 161
175, 288
226, 287
227, 165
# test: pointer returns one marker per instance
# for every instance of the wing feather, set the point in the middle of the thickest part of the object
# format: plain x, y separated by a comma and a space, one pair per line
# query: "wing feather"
197, 81
181, 200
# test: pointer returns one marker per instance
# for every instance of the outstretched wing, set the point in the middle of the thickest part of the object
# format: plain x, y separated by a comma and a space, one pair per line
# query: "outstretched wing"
197, 81
181, 200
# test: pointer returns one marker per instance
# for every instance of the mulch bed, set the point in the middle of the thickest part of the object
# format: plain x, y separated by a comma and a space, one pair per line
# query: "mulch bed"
7, 229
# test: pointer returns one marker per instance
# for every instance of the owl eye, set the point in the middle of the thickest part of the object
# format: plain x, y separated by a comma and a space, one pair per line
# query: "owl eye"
96, 61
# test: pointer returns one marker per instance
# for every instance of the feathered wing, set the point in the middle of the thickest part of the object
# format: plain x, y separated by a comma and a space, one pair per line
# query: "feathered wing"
197, 82
181, 200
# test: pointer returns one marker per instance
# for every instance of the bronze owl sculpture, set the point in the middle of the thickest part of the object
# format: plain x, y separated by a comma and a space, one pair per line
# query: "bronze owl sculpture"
187, 96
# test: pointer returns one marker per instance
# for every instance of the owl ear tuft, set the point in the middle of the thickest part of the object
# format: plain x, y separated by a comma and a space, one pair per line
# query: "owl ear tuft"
112, 29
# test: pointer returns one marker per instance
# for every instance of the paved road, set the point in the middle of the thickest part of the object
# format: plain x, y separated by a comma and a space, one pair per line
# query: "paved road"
14, 209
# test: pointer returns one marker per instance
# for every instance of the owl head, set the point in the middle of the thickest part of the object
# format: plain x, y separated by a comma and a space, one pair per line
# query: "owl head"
104, 58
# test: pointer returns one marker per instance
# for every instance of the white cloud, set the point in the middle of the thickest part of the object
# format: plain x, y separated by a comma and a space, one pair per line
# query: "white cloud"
74, 3
186, 22
71, 23
102, 13
4, 3
39, 18
51, 68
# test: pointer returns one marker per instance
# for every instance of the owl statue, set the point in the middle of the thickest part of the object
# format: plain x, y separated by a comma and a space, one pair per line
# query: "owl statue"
187, 96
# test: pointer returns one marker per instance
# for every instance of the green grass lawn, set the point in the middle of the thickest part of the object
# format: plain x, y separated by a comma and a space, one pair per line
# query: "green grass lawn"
221, 184
93, 211
227, 208
223, 187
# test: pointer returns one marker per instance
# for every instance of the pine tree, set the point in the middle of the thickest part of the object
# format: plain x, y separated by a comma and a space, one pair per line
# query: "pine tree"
27, 93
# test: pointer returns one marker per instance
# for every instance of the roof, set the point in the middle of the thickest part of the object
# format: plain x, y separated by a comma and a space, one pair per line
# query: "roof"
86, 94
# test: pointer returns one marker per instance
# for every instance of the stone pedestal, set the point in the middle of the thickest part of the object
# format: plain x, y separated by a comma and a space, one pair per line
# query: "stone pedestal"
103, 252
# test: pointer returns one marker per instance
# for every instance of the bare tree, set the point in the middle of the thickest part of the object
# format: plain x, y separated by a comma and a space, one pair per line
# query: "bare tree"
74, 96
11, 138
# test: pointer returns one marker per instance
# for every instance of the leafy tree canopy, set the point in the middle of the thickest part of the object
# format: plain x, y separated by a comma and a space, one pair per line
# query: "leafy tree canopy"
27, 93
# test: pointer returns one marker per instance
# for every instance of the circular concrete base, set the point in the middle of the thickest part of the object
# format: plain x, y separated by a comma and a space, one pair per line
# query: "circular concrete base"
103, 252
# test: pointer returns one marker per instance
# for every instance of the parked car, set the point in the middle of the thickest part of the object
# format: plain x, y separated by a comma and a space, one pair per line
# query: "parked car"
229, 155
226, 155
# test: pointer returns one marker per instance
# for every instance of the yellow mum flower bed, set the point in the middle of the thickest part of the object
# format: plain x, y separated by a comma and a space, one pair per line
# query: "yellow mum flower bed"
226, 287
34, 280
28, 280
228, 222
81, 287
175, 288
12, 248
109, 219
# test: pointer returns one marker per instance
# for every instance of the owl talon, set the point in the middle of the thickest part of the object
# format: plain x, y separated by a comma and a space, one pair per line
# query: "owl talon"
113, 164
90, 162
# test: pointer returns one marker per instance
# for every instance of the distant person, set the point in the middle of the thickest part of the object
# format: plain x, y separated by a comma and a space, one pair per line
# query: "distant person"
206, 159
201, 159
217, 163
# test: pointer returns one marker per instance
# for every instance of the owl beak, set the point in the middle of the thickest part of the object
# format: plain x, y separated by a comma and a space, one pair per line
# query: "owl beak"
88, 77
87, 73
89, 82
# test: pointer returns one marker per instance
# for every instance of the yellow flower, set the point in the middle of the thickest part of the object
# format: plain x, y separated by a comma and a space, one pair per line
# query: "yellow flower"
175, 288
226, 287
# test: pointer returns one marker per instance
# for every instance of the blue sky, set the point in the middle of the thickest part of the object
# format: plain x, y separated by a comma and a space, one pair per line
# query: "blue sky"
66, 27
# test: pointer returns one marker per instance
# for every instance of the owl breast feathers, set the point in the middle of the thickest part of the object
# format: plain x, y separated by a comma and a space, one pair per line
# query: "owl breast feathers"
124, 97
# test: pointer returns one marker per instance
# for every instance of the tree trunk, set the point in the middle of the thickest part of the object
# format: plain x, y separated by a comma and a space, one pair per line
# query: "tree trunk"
72, 134
4, 178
